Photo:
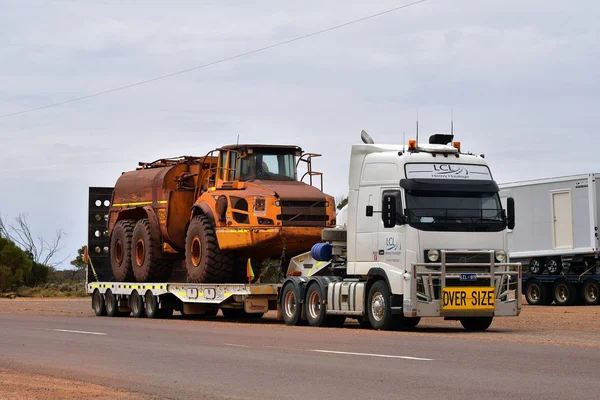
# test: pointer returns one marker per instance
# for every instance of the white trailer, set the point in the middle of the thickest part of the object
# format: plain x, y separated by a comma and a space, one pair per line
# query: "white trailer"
556, 223
425, 237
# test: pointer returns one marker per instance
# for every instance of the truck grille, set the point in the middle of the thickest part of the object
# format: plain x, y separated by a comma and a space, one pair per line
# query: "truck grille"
303, 213
483, 258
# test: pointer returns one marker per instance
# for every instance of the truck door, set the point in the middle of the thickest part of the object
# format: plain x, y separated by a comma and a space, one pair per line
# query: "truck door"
391, 232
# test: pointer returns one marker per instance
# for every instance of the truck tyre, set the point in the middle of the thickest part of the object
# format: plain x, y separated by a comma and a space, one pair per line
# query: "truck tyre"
476, 324
535, 266
120, 250
554, 265
112, 305
333, 235
563, 293
379, 308
151, 305
98, 303
536, 293
147, 264
204, 260
137, 305
590, 292
316, 311
291, 305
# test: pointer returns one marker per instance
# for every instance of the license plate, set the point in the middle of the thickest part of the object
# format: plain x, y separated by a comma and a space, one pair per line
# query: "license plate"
468, 277
468, 298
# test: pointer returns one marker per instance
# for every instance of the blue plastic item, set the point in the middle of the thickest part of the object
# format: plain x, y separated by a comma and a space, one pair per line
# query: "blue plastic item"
321, 251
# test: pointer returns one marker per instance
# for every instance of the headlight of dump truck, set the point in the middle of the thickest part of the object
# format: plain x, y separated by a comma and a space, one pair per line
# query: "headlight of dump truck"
500, 256
433, 255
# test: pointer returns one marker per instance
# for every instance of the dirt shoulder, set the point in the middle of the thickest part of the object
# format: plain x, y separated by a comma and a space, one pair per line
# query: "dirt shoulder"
28, 386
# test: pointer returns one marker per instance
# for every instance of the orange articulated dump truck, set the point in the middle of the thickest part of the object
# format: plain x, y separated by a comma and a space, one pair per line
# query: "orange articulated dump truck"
213, 213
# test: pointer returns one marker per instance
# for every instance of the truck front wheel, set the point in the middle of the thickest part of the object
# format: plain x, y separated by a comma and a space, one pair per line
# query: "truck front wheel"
378, 306
204, 260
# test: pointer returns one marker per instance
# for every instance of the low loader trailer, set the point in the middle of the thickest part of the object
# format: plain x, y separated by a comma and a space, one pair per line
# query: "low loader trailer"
423, 235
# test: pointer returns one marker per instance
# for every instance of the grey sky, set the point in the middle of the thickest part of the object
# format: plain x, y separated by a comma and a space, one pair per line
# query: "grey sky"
523, 79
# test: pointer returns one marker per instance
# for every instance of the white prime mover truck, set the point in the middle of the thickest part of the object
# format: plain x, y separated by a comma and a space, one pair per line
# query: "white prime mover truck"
556, 236
425, 236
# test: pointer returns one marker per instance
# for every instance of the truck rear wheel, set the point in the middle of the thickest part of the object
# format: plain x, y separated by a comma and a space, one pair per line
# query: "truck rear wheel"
98, 303
120, 250
476, 323
291, 305
563, 293
147, 264
112, 305
590, 292
137, 305
316, 311
204, 260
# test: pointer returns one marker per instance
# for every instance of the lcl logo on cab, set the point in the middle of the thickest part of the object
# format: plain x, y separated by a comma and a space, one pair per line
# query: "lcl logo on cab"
391, 245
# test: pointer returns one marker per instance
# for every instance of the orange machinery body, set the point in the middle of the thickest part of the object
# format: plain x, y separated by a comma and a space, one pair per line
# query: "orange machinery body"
256, 218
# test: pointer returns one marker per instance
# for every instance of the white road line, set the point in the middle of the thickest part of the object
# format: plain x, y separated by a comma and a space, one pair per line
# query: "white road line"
83, 332
235, 345
372, 355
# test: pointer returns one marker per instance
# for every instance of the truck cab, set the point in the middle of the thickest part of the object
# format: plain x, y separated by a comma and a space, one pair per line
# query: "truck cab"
426, 222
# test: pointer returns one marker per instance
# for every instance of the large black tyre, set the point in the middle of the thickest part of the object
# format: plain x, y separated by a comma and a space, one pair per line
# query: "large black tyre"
120, 250
204, 260
98, 303
408, 322
590, 292
146, 258
554, 265
290, 305
476, 323
137, 305
151, 305
536, 293
379, 307
564, 293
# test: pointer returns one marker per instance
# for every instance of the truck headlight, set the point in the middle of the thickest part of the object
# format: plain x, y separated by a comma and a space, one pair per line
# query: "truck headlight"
500, 256
433, 255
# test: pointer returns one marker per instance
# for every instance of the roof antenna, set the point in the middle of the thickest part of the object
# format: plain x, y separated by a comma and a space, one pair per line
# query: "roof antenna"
404, 140
452, 121
238, 139
417, 126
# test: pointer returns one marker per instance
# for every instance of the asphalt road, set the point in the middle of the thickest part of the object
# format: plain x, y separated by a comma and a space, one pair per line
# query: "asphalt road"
207, 359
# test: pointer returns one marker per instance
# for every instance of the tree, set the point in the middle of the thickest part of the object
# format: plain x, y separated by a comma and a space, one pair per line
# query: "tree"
79, 264
41, 251
15, 265
341, 201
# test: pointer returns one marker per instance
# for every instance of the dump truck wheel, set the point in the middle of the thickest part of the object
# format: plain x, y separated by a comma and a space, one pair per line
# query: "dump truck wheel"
147, 265
120, 250
476, 323
204, 260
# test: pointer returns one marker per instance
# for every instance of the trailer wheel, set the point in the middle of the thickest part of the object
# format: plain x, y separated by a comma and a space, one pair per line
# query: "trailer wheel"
554, 265
291, 305
204, 260
112, 305
137, 305
563, 293
536, 293
378, 306
476, 323
146, 262
151, 305
120, 250
535, 266
98, 303
590, 292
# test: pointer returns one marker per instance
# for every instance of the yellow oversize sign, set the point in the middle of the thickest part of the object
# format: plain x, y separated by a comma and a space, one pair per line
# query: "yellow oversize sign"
468, 298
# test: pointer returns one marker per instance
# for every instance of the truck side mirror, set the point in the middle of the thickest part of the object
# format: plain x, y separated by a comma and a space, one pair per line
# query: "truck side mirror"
510, 212
388, 210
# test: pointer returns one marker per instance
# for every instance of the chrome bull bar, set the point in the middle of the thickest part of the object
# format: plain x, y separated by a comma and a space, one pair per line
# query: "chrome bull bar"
427, 281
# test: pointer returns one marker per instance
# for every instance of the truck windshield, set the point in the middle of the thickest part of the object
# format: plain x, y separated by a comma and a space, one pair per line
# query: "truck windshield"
267, 166
455, 211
